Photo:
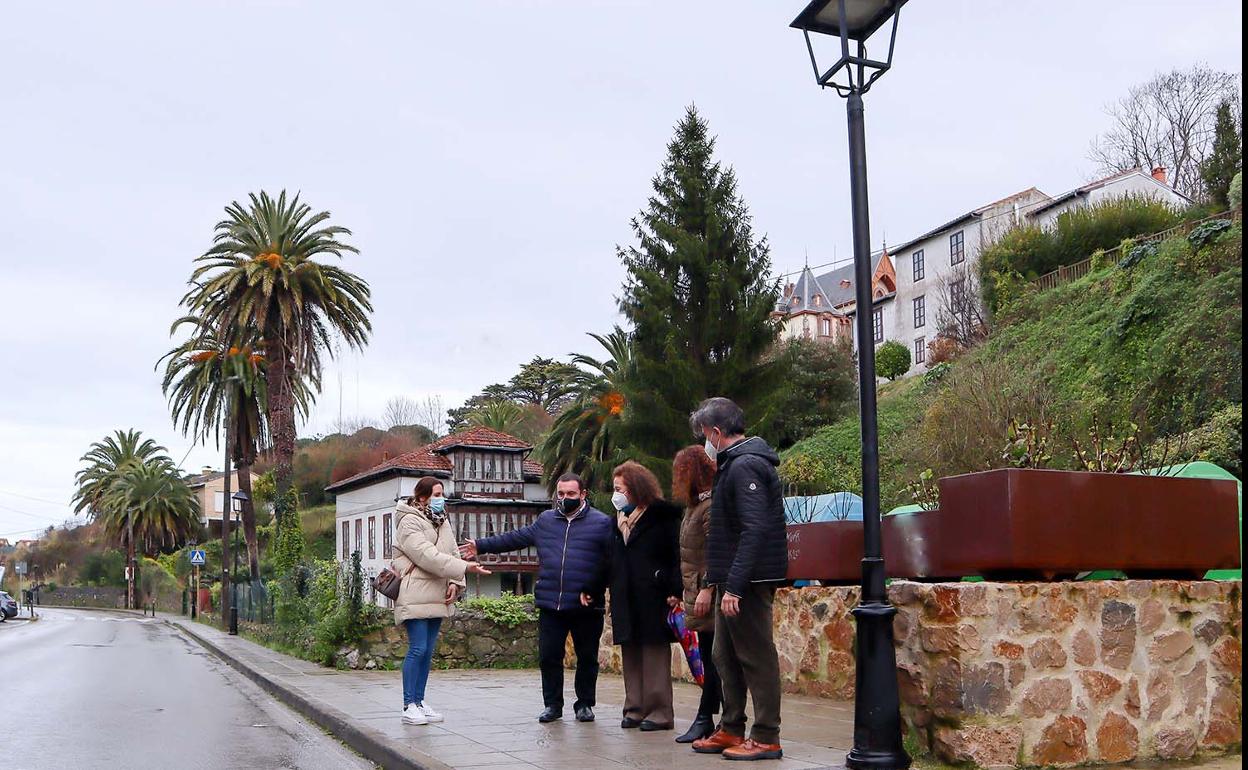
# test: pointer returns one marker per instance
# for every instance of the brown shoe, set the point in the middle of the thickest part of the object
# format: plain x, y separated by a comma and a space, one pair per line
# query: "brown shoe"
751, 750
718, 742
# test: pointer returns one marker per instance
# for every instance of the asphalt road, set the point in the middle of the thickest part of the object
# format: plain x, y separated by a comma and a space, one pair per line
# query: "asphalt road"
87, 689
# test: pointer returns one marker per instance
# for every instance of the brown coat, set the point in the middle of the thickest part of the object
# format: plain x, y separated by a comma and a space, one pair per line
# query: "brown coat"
693, 533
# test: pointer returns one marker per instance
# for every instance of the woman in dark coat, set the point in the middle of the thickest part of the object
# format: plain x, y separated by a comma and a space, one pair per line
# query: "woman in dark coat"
693, 477
645, 584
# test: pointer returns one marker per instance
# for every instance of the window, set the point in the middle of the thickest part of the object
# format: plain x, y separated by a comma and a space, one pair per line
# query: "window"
218, 501
825, 327
818, 300
346, 540
957, 248
372, 537
877, 322
919, 268
387, 536
920, 350
920, 311
957, 296
359, 536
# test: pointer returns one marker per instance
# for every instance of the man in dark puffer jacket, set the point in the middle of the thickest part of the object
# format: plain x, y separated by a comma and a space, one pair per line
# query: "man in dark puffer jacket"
747, 558
573, 550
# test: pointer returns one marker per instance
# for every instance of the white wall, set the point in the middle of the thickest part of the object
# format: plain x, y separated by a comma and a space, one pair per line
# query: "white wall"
1138, 184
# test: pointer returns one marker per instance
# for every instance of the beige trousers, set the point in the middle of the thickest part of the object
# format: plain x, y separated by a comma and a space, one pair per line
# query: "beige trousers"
648, 683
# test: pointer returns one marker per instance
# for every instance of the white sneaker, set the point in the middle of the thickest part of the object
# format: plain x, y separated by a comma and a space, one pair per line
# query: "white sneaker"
430, 714
413, 715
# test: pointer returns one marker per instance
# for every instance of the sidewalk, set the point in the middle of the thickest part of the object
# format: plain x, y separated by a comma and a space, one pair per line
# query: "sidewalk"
491, 717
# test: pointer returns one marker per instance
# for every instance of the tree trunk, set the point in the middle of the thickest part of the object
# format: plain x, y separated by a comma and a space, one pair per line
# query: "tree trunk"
281, 414
130, 560
249, 517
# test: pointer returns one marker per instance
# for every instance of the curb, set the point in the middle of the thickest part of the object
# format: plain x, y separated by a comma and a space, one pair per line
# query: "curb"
89, 609
370, 744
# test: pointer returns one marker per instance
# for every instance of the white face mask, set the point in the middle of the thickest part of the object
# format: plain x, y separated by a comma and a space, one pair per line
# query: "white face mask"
619, 500
711, 451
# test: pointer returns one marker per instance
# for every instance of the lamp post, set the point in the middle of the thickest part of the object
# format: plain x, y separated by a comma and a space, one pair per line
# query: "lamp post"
877, 707
236, 505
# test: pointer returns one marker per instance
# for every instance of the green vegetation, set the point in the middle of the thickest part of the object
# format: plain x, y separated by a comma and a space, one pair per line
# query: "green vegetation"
507, 610
1225, 158
892, 360
1152, 347
1026, 253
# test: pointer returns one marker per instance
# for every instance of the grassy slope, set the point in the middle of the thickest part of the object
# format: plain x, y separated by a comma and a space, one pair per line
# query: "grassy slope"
1160, 343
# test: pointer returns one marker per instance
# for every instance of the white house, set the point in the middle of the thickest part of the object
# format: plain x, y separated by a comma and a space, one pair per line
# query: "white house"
1135, 182
912, 282
491, 487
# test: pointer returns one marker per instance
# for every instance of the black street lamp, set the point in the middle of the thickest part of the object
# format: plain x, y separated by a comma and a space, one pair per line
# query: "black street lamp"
877, 707
237, 500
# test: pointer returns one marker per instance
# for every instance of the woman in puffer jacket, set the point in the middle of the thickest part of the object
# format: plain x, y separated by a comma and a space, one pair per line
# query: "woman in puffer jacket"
427, 557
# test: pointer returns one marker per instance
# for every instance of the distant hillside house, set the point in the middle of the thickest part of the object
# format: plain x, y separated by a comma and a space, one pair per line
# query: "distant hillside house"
913, 281
491, 487
209, 489
821, 307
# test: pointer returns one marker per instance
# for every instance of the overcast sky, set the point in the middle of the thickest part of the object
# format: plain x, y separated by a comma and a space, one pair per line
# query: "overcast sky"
488, 157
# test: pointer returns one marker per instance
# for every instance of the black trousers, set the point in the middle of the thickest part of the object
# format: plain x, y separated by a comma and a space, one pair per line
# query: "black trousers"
712, 690
553, 627
745, 652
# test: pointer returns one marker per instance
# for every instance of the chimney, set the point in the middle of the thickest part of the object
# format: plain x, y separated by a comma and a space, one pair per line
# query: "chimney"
845, 284
1159, 173
788, 290
385, 456
204, 471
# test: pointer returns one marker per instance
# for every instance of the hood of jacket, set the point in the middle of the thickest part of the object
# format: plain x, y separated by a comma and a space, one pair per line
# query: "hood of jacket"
749, 446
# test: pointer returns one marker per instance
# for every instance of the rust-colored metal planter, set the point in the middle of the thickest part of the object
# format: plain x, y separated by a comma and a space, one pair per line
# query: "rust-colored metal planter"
827, 551
1041, 523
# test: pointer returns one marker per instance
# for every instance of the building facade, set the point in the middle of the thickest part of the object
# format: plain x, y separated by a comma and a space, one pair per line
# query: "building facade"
209, 489
937, 272
491, 487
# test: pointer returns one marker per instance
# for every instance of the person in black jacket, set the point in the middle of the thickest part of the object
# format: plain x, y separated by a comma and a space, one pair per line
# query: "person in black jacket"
573, 550
747, 558
645, 584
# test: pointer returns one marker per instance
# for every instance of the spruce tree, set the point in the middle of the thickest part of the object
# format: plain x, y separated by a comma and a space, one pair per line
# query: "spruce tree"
698, 296
1226, 157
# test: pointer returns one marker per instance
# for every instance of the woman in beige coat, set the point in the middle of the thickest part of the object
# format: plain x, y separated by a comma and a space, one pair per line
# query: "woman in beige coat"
427, 556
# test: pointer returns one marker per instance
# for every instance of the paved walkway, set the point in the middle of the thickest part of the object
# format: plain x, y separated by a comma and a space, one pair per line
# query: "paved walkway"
491, 718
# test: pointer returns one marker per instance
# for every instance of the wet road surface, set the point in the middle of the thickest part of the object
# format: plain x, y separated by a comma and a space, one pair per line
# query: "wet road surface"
89, 689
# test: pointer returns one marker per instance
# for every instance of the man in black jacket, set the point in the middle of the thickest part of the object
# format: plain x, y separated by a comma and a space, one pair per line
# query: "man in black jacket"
747, 558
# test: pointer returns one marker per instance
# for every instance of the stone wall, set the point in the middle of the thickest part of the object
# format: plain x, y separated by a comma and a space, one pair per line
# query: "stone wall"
1029, 674
468, 640
84, 596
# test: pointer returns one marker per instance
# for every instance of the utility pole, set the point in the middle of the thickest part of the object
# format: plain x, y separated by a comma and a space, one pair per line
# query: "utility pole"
130, 559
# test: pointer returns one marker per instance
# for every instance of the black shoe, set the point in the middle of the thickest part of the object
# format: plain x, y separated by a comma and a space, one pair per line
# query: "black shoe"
584, 714
629, 724
702, 727
550, 714
650, 727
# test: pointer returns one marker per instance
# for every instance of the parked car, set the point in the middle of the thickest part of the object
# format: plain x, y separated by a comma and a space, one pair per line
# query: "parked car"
8, 605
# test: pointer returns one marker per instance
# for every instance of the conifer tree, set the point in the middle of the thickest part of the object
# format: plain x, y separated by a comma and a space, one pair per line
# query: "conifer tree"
698, 296
1226, 157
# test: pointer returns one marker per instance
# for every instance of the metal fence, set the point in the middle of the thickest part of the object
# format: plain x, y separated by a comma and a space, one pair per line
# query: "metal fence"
254, 601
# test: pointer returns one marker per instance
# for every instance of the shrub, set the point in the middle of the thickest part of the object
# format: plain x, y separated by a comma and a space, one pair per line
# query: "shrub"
1202, 234
1236, 195
1221, 439
1032, 251
892, 360
942, 350
936, 373
507, 610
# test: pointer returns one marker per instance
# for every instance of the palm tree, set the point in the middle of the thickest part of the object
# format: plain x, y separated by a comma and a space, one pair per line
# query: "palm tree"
584, 437
149, 502
212, 386
260, 281
106, 460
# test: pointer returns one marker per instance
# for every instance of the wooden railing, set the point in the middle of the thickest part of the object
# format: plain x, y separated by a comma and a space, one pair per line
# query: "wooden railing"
483, 522
1067, 273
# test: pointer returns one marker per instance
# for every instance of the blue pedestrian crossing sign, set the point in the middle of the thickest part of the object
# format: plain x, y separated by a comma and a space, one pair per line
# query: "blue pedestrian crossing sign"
198, 558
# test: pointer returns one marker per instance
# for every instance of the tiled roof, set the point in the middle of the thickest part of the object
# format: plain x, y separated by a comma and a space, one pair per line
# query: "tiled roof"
840, 295
432, 459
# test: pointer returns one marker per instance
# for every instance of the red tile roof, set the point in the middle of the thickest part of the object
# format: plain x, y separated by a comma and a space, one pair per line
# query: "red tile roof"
432, 459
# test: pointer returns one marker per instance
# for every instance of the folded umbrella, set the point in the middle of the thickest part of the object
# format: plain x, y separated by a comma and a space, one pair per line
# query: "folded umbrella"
688, 642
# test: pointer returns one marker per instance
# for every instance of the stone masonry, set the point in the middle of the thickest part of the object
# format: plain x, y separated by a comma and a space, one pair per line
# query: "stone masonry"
1034, 674
467, 640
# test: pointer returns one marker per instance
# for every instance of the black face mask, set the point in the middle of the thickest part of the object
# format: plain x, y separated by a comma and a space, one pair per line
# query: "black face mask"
570, 504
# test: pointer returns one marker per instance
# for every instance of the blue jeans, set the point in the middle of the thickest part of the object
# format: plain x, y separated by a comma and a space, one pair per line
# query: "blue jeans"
422, 635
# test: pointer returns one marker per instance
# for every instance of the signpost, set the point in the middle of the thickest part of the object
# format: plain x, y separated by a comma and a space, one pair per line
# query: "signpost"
198, 559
